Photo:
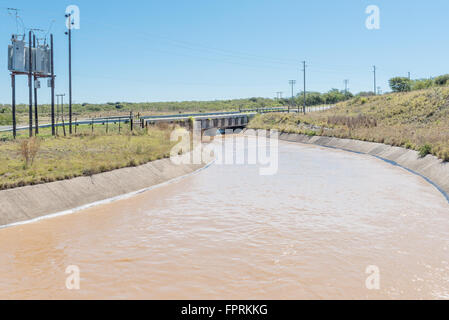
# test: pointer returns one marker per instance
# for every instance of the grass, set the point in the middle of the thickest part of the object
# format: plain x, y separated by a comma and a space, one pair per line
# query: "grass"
46, 159
5, 119
417, 120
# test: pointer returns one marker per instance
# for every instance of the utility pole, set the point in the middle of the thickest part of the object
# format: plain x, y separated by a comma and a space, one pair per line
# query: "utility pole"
375, 85
36, 81
36, 119
69, 33
53, 131
279, 95
61, 105
292, 83
346, 86
305, 94
14, 123
30, 86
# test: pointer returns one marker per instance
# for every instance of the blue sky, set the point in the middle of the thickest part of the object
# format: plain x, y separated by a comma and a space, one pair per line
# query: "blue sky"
204, 50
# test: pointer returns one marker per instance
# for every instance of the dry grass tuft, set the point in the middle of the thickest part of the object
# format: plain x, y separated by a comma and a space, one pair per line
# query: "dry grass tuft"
28, 150
360, 121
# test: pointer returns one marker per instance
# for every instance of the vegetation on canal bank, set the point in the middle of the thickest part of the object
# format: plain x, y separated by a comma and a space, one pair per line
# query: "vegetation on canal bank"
46, 159
416, 120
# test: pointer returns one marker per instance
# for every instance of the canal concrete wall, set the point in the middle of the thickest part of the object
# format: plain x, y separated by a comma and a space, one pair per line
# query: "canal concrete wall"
430, 167
31, 202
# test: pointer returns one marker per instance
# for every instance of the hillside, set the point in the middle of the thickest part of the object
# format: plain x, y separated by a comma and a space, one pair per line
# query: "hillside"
416, 120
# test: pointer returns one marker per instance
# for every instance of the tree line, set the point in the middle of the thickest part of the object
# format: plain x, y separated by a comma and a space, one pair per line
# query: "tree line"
404, 84
313, 98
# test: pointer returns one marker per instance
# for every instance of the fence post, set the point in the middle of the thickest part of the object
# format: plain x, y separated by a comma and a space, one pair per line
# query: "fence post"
131, 121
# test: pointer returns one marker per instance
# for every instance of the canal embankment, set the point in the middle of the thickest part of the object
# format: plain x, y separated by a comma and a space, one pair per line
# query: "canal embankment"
33, 202
431, 168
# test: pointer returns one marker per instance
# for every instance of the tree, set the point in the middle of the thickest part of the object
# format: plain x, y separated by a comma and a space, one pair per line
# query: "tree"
442, 80
422, 84
366, 94
334, 96
400, 84
348, 95
314, 99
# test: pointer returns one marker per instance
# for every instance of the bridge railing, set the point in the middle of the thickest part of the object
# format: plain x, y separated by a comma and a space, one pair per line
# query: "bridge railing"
188, 115
265, 110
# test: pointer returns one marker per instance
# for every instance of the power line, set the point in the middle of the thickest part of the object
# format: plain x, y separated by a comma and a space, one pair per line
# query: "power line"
271, 61
201, 47
18, 19
49, 28
222, 61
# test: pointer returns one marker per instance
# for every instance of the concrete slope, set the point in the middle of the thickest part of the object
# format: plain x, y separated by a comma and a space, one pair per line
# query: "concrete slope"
31, 202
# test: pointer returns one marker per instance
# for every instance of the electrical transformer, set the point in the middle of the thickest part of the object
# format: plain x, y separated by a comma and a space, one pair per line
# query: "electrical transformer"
42, 56
17, 52
18, 57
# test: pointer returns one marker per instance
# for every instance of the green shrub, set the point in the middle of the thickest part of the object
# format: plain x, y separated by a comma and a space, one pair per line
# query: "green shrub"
422, 84
425, 150
400, 84
442, 80
311, 133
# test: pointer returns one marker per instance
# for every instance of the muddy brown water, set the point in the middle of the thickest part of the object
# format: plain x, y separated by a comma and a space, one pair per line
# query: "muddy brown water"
308, 232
